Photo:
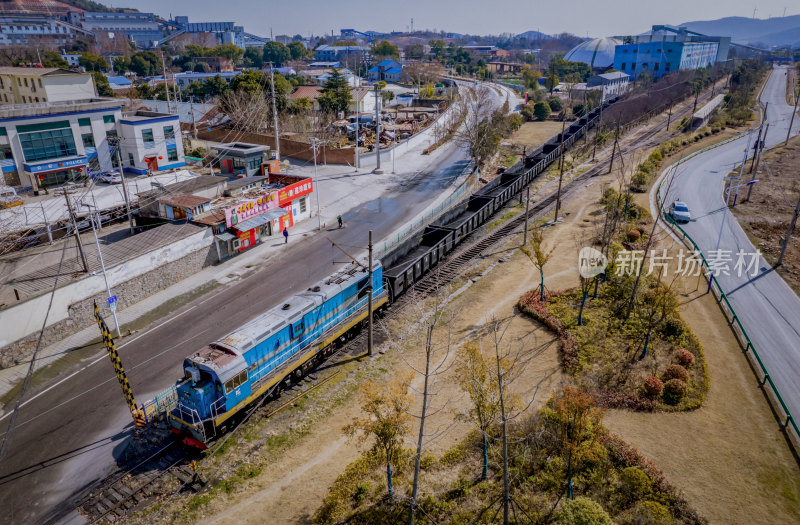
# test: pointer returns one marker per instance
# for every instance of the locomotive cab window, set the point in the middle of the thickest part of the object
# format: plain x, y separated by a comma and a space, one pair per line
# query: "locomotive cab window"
363, 287
236, 382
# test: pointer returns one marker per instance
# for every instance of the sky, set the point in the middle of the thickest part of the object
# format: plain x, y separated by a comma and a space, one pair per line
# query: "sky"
580, 17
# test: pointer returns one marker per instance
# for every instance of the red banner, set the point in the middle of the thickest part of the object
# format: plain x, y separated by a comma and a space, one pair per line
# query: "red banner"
293, 191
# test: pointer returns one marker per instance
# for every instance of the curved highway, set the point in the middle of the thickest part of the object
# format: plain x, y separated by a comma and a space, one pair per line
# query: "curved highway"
768, 309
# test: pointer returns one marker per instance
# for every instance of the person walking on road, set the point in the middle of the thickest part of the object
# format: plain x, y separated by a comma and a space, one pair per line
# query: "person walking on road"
285, 235
339, 218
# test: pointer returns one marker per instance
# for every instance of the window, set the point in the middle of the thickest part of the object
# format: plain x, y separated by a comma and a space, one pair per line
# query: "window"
169, 132
172, 154
655, 66
254, 164
131, 162
303, 205
50, 144
238, 163
147, 138
84, 122
236, 382
633, 66
109, 119
88, 140
26, 82
623, 65
3, 132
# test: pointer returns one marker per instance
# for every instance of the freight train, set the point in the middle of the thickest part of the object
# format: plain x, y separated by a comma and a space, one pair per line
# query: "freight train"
283, 344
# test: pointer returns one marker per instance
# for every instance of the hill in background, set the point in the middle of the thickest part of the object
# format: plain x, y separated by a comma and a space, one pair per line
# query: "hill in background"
770, 32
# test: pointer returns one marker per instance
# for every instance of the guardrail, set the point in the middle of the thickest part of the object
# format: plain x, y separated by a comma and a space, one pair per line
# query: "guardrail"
720, 295
418, 225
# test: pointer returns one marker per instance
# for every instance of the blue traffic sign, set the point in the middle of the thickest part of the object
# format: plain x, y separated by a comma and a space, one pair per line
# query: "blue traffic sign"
112, 299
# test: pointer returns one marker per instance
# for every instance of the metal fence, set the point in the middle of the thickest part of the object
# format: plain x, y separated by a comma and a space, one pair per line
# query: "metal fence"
162, 403
722, 298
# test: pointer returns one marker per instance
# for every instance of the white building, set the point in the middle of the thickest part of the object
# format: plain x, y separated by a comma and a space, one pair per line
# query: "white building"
151, 142
614, 83
54, 143
24, 85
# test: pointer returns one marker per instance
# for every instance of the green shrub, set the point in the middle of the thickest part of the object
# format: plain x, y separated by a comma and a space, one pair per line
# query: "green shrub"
527, 112
640, 179
555, 104
541, 110
634, 485
647, 513
674, 391
676, 372
362, 489
582, 511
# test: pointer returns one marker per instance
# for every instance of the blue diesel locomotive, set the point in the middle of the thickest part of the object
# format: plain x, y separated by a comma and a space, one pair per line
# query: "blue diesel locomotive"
225, 376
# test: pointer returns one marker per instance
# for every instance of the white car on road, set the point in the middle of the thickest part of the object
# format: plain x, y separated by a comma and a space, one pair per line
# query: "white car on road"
110, 177
680, 212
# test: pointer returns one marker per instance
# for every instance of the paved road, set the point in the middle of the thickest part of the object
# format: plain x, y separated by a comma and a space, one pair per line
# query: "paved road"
55, 458
768, 309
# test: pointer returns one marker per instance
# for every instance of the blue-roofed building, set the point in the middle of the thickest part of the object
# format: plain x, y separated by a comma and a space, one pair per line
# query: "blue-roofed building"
118, 83
326, 52
387, 70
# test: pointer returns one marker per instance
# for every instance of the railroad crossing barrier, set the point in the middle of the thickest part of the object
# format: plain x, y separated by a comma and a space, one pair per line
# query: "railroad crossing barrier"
722, 298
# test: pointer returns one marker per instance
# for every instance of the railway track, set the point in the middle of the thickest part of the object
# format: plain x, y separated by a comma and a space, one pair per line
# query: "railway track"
117, 496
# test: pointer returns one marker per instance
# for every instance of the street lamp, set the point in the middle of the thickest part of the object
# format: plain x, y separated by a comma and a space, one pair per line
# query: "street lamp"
111, 303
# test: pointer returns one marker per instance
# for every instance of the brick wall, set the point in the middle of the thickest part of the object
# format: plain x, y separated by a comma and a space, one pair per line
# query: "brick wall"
289, 148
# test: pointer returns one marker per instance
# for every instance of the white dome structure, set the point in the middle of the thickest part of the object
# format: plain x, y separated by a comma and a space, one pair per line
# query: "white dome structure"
598, 52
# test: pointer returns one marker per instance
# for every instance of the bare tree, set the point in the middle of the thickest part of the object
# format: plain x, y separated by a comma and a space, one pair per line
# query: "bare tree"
247, 111
430, 329
477, 134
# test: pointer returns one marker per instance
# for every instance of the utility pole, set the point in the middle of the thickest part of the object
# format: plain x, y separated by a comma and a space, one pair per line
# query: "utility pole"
314, 145
758, 145
791, 122
669, 116
194, 124
124, 184
166, 87
77, 233
560, 175
275, 111
358, 136
789, 233
758, 161
696, 95
377, 170
614, 150
103, 267
369, 305
527, 209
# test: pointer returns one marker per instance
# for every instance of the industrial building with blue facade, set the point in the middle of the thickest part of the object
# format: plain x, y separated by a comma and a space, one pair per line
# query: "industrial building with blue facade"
666, 49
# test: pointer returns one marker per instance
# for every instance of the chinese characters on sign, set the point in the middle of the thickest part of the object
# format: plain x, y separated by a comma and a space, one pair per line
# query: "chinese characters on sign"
250, 209
293, 191
689, 264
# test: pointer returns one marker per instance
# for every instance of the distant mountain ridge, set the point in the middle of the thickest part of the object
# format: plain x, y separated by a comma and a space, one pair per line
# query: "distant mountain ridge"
534, 35
769, 32
54, 7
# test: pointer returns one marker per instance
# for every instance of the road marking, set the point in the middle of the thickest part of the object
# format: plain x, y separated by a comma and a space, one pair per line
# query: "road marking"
97, 361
